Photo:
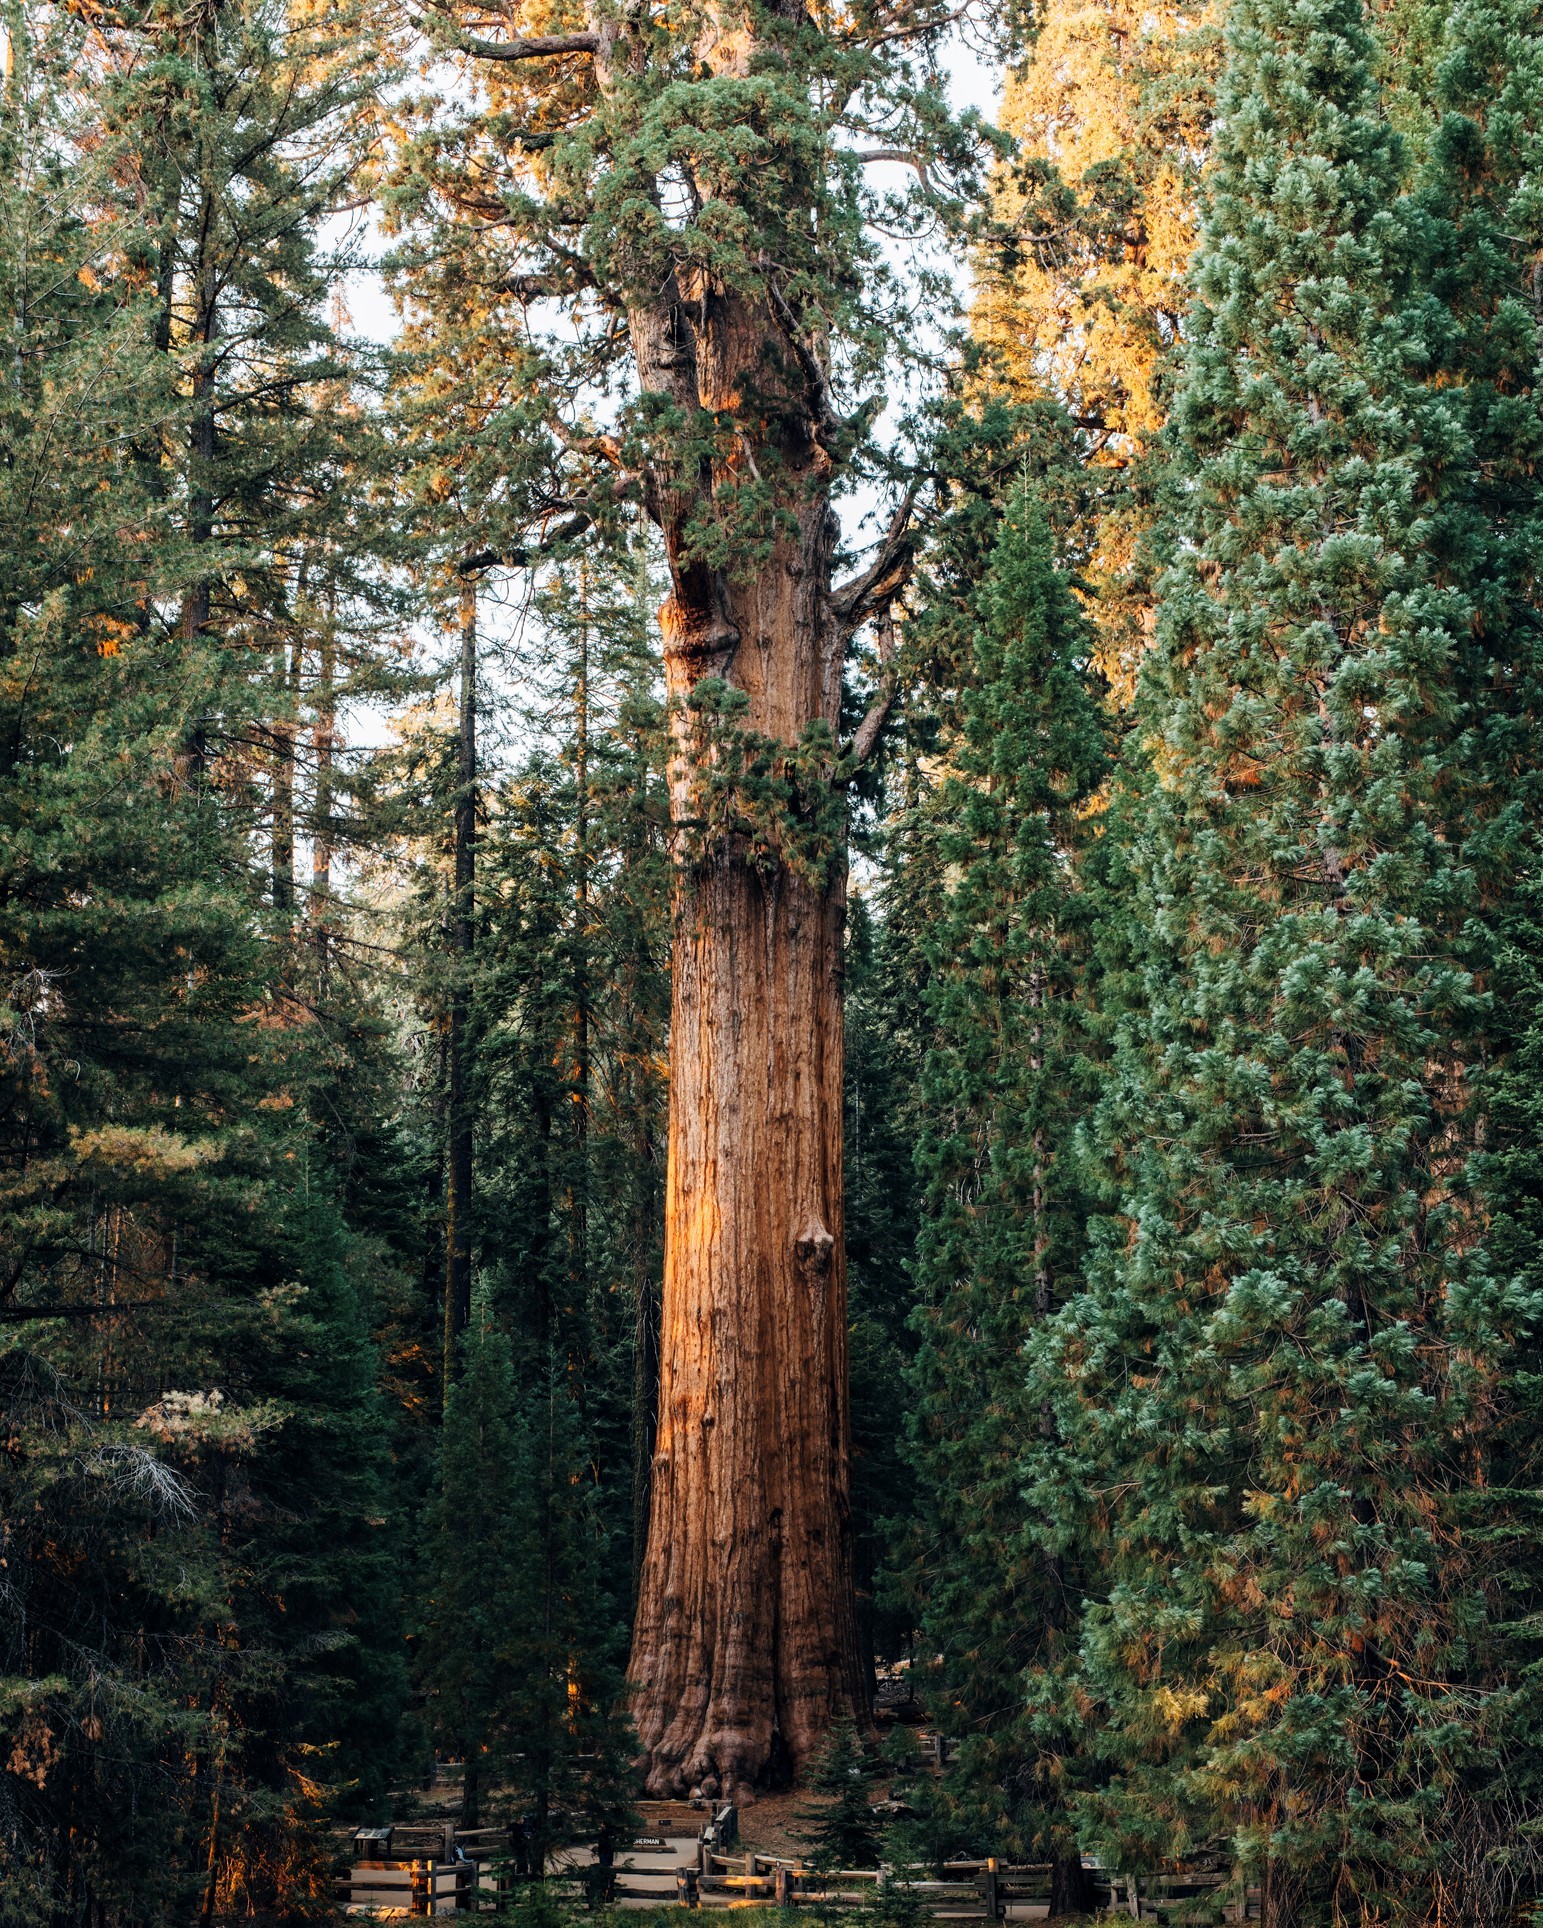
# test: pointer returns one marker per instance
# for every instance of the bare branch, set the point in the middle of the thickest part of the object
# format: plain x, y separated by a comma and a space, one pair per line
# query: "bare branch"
545, 287
523, 555
21, 1314
903, 155
865, 739
918, 30
855, 600
827, 419
536, 46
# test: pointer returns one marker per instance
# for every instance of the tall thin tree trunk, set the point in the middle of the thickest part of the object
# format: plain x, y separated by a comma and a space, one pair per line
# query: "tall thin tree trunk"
323, 745
458, 1162
282, 854
202, 445
578, 1215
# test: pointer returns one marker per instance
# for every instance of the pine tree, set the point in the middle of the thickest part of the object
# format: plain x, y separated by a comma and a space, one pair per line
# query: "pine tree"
203, 1658
573, 1770
569, 1000
1271, 1390
1478, 184
466, 1651
884, 1030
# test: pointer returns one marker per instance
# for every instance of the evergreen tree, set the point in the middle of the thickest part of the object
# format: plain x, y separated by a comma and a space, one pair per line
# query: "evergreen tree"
1273, 1392
466, 1648
565, 1093
1002, 1236
572, 1010
884, 1028
1081, 275
843, 1832
1478, 185
200, 1648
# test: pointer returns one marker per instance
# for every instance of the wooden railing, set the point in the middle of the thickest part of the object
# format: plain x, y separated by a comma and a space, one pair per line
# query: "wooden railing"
433, 1870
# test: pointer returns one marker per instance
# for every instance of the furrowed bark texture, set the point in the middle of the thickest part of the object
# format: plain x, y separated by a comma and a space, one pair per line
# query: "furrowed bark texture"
745, 1644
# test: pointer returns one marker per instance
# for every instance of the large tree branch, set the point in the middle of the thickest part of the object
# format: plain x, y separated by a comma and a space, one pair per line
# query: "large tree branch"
545, 287
535, 46
905, 156
524, 554
860, 597
917, 30
865, 739
827, 419
21, 1314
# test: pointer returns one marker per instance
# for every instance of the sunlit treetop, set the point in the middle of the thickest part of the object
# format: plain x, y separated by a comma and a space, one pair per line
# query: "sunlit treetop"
684, 226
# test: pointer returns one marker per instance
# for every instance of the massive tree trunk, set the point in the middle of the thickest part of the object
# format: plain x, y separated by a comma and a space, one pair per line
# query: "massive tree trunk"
745, 1646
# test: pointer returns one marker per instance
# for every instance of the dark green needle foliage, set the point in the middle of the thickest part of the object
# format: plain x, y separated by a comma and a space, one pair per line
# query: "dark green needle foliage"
1280, 1392
199, 1646
1194, 1084
1003, 1232
844, 1831
466, 1648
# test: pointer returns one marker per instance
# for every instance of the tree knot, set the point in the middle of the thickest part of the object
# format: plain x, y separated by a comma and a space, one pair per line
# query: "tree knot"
815, 1247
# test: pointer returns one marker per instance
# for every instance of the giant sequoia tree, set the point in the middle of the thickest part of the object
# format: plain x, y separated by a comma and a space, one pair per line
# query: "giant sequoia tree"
679, 191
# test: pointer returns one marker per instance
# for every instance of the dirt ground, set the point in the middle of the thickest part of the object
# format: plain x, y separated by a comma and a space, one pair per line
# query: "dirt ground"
770, 1824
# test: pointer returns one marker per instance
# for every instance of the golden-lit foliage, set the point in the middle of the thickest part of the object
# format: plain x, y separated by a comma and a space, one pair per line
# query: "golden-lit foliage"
1082, 293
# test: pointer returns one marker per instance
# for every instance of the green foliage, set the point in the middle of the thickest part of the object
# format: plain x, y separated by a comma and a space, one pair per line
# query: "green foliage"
1220, 1517
200, 1648
844, 1830
1003, 1086
526, 1574
752, 791
519, 1649
1269, 1394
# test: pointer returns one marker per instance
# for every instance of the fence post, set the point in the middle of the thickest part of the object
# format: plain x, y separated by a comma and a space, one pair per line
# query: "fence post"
687, 1892
989, 1885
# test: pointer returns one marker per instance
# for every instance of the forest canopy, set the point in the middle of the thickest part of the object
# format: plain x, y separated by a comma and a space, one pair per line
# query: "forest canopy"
771, 946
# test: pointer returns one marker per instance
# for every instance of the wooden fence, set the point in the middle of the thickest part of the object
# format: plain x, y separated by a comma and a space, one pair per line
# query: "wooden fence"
441, 1869
985, 1890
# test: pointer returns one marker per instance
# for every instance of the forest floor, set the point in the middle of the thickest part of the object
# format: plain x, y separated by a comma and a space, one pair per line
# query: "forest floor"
773, 1824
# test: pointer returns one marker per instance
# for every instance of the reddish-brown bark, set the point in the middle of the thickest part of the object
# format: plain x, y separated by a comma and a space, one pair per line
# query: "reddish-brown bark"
745, 1643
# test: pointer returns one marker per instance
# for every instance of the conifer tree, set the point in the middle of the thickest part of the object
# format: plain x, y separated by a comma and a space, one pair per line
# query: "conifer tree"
1272, 1391
184, 1303
568, 1003
885, 1027
467, 1651
1002, 1235
681, 190
1081, 276
844, 1831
